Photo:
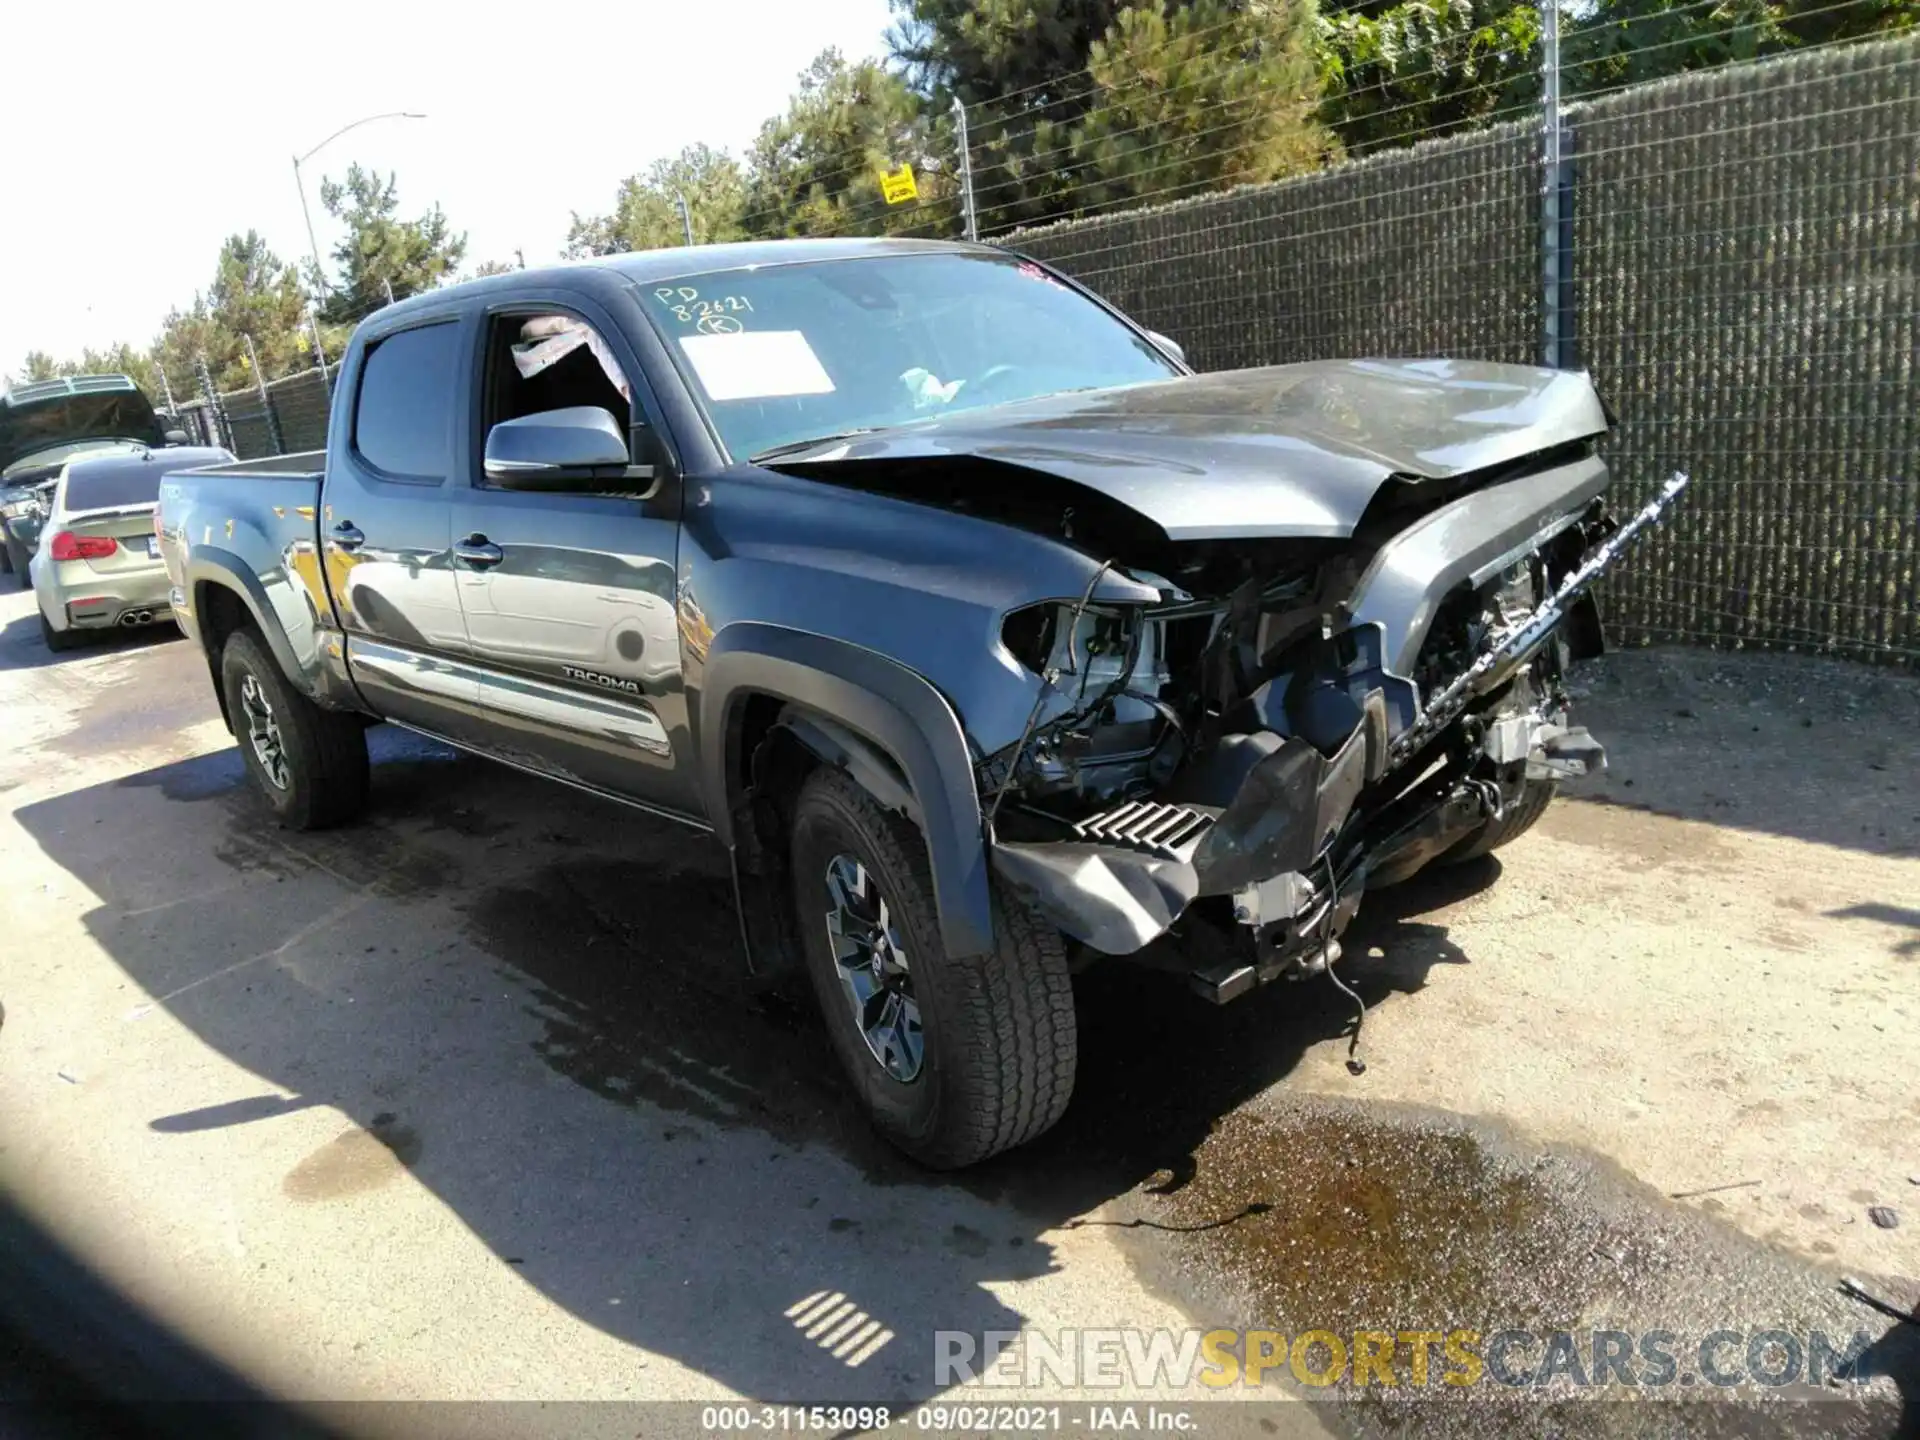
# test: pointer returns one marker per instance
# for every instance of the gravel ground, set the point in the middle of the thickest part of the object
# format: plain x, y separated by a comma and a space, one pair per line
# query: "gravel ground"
472, 1101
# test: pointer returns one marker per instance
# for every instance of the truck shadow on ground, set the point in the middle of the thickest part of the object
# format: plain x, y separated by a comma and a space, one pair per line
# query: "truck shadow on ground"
682, 1167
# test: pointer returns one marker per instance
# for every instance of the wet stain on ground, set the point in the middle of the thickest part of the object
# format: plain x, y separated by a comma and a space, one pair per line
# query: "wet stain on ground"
204, 777
1381, 1222
124, 715
379, 855
965, 1240
354, 1162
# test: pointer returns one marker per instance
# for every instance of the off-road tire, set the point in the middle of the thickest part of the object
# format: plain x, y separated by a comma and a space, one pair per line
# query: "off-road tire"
57, 640
325, 750
999, 1034
1515, 821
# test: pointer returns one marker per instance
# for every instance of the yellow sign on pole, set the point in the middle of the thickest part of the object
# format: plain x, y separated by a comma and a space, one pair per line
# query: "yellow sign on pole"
897, 186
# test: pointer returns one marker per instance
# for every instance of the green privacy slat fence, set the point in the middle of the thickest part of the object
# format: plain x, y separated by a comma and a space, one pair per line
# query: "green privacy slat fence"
1746, 244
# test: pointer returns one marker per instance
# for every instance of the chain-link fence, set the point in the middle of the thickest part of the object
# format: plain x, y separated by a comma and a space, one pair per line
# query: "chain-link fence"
282, 417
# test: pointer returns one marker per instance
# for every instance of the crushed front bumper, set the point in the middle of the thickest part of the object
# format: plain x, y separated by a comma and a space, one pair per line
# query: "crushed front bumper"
1294, 846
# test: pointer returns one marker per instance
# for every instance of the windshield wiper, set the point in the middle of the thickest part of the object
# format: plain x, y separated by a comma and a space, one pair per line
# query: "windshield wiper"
792, 445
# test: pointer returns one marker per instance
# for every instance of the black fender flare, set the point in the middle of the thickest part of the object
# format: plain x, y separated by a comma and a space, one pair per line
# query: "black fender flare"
208, 566
881, 703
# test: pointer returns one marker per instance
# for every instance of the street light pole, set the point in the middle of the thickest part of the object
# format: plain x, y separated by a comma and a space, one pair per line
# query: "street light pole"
313, 245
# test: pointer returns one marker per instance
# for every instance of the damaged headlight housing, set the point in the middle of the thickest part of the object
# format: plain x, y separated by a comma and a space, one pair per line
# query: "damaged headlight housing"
1086, 651
1098, 716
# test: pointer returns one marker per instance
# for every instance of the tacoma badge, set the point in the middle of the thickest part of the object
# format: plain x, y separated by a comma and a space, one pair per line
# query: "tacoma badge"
607, 682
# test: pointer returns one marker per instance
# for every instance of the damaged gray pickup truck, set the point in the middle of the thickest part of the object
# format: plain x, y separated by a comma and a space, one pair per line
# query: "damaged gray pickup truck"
985, 637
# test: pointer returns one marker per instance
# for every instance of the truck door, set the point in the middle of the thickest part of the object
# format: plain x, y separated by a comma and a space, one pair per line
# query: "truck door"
386, 526
569, 599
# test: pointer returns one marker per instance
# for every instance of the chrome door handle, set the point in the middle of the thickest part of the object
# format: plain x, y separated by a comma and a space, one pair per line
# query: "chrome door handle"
348, 536
478, 551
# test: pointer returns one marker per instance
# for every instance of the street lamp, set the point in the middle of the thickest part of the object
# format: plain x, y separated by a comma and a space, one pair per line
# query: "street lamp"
320, 275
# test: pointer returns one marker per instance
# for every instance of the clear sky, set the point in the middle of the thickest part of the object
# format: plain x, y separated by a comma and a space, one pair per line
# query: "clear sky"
139, 136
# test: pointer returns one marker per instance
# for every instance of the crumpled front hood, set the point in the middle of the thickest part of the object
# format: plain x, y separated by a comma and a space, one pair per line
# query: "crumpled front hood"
1290, 450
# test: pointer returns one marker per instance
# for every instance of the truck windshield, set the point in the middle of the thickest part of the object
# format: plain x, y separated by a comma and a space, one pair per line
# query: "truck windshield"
792, 352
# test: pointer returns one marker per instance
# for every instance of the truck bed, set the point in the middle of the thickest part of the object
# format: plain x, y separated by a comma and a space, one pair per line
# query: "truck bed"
253, 527
305, 465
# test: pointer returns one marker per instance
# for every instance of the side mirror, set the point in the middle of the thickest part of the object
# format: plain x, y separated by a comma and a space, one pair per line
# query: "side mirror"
175, 437
1168, 344
580, 448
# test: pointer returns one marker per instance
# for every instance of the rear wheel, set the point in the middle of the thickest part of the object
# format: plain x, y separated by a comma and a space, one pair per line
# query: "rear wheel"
56, 639
18, 559
309, 764
1514, 821
954, 1059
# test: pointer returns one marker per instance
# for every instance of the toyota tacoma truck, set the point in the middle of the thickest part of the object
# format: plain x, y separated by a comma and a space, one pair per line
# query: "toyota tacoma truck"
985, 636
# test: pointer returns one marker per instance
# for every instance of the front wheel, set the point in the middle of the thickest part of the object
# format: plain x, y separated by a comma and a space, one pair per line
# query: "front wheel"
953, 1058
309, 764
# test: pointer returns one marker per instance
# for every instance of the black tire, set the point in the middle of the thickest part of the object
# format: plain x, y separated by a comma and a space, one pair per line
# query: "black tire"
1518, 818
57, 640
323, 752
998, 1031
19, 559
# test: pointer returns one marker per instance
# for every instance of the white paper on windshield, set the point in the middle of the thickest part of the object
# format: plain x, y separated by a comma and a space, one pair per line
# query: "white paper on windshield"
756, 365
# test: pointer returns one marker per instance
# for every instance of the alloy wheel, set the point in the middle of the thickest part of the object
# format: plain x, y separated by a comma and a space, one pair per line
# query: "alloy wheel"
263, 731
872, 964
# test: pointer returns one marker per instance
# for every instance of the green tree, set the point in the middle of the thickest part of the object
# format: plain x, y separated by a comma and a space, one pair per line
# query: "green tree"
815, 170
253, 293
1217, 94
1394, 74
381, 250
1399, 72
1020, 68
39, 365
646, 212
1088, 103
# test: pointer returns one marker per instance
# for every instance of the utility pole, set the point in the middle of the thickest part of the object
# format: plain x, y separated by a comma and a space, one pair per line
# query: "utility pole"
686, 216
319, 351
966, 168
300, 184
266, 402
1557, 348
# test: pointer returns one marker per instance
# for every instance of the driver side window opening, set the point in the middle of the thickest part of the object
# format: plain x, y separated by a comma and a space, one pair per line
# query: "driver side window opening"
550, 361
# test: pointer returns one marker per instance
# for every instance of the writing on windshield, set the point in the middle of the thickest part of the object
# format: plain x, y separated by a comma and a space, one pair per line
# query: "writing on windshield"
783, 353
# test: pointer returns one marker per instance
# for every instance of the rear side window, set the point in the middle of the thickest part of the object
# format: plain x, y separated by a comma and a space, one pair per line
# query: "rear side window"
403, 422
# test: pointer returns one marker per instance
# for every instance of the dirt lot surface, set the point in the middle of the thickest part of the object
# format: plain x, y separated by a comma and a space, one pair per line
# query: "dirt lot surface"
473, 1100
